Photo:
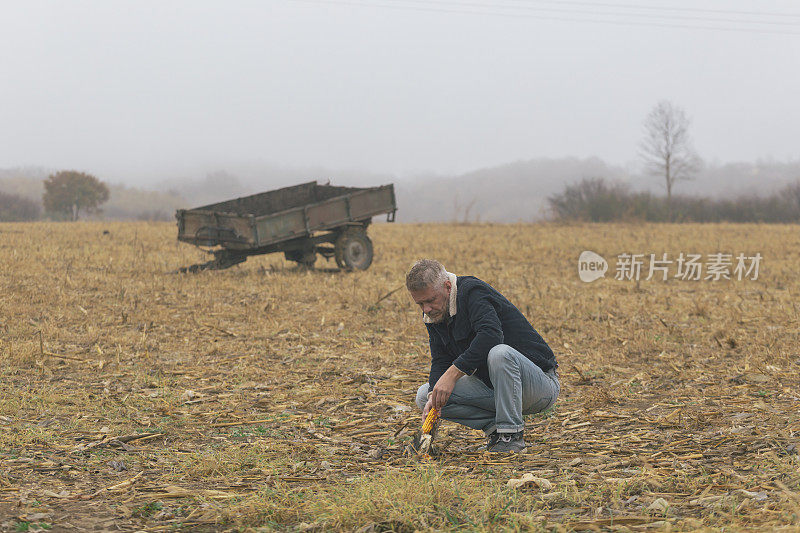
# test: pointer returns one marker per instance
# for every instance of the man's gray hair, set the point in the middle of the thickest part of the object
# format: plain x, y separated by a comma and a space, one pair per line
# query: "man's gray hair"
425, 273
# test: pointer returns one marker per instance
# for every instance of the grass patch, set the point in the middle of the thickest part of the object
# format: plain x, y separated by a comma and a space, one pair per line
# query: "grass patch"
419, 498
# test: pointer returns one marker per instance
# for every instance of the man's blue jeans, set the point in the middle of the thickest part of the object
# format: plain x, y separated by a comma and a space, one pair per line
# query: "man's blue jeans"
520, 388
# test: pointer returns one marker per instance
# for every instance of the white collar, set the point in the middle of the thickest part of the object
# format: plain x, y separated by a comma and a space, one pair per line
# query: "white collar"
453, 282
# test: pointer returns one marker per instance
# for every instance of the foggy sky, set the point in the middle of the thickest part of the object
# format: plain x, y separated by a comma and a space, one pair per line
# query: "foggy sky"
132, 91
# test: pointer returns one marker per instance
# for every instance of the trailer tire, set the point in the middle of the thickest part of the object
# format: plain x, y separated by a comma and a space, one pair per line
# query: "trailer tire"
353, 250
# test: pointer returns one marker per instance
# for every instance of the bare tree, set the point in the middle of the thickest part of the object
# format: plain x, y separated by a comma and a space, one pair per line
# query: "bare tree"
667, 149
457, 210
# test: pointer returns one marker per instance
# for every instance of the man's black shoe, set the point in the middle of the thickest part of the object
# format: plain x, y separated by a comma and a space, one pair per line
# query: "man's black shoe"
492, 439
507, 442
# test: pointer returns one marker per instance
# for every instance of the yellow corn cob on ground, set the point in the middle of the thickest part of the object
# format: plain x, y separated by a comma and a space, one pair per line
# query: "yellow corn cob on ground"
430, 421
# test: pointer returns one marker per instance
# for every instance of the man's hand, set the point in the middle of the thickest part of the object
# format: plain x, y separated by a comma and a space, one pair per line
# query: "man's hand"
444, 387
428, 406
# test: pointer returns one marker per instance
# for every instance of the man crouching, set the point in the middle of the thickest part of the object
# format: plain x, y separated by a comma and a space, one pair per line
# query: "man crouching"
489, 367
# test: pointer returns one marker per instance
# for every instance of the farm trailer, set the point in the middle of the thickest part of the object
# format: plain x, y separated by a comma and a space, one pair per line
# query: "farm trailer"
301, 221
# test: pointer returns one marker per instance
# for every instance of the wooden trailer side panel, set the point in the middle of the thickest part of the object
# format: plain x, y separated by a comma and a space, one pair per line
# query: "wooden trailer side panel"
208, 228
372, 202
280, 227
328, 214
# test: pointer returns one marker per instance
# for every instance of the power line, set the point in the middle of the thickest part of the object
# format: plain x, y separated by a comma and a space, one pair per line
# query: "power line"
656, 16
641, 22
661, 8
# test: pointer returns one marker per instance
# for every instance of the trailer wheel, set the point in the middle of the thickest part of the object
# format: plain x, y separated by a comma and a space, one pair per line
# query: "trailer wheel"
353, 250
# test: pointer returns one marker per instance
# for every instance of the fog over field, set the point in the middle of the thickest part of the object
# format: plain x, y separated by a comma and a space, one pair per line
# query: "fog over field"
489, 106
514, 192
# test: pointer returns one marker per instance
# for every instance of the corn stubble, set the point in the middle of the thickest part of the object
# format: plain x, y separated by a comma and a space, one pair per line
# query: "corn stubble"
265, 396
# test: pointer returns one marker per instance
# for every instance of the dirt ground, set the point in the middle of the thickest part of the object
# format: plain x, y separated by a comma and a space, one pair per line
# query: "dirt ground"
268, 397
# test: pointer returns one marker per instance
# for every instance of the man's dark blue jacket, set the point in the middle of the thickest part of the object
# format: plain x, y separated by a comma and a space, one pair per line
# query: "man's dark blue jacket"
484, 318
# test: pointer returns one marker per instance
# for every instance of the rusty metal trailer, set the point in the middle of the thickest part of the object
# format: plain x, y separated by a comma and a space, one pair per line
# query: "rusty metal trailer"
300, 221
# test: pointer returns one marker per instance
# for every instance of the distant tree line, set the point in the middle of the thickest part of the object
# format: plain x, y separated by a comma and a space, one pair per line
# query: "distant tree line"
67, 194
15, 208
597, 200
667, 152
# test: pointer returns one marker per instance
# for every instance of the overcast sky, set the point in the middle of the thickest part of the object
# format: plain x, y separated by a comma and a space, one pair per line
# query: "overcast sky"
133, 91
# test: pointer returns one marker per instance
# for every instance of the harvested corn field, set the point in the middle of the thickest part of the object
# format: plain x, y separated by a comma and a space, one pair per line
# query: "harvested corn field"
270, 397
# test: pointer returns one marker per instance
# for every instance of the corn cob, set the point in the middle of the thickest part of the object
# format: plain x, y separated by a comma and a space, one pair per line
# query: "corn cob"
428, 426
430, 421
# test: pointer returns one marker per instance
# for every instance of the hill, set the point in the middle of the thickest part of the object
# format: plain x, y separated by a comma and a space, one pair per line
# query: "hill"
513, 192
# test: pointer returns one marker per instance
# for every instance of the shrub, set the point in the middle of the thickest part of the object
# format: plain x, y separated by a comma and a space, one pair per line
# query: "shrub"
595, 200
15, 208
